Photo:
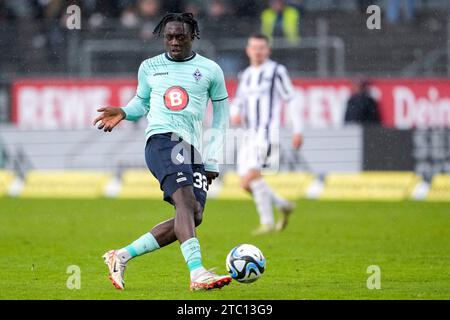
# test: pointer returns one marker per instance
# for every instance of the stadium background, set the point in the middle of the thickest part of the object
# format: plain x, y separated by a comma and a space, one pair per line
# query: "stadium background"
52, 80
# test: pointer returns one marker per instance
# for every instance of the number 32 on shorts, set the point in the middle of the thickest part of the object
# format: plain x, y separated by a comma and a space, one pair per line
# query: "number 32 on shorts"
200, 181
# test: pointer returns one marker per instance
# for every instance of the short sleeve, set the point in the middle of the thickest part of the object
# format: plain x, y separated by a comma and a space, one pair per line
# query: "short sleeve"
218, 89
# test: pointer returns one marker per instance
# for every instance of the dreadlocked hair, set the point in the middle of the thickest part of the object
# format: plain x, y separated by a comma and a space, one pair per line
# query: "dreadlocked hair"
185, 17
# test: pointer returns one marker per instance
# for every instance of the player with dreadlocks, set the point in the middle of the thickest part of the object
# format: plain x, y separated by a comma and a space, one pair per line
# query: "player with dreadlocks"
173, 91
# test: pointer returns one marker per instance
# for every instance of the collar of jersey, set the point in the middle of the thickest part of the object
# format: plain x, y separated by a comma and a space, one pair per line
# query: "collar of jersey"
187, 59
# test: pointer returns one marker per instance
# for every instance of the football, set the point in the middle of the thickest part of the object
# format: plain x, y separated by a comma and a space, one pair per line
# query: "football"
245, 263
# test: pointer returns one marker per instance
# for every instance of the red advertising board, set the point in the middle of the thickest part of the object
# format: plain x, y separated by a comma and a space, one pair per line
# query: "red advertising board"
414, 103
72, 103
64, 103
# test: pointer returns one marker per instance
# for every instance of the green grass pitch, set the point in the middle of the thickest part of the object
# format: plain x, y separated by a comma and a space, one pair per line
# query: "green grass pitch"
323, 254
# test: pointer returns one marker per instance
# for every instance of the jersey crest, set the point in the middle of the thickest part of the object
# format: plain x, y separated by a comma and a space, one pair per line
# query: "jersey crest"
197, 75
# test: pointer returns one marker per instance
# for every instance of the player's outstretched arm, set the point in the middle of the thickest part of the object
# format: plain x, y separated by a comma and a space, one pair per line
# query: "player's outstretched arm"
109, 118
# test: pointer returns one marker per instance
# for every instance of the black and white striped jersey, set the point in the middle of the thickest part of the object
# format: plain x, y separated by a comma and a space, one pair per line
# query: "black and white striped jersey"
260, 94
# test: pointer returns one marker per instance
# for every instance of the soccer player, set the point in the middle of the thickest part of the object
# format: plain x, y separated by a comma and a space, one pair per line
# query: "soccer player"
173, 91
263, 87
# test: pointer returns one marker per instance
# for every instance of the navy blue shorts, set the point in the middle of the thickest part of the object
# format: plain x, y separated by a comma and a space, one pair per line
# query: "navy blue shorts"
176, 164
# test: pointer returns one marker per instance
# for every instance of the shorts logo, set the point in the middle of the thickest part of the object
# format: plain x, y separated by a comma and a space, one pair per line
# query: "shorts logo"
180, 159
176, 98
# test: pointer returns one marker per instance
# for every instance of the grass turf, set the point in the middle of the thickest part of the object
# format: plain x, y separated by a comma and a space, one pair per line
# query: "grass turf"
323, 254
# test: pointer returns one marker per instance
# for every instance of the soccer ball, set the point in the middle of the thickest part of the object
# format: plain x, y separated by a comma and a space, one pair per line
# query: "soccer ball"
245, 263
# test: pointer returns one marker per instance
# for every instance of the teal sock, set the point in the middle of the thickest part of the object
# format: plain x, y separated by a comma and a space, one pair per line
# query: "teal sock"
146, 243
191, 253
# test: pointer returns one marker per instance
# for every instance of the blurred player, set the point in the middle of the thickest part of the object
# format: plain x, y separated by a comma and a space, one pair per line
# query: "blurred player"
262, 89
173, 91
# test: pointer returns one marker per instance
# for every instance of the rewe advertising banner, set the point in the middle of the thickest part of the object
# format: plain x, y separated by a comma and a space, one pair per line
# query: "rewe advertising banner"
72, 103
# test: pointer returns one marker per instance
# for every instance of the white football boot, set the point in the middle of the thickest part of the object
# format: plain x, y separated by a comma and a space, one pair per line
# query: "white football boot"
286, 210
209, 280
116, 269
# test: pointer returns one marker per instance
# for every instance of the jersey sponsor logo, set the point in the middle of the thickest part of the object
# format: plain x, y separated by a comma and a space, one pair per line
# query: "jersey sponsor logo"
197, 75
176, 98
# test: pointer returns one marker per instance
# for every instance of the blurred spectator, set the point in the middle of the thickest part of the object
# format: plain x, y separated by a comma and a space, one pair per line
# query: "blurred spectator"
195, 7
149, 13
394, 8
361, 107
217, 9
50, 34
129, 18
281, 19
217, 20
148, 9
216, 24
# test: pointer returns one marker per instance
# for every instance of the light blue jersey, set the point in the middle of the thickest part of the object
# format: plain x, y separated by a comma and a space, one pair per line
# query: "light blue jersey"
174, 96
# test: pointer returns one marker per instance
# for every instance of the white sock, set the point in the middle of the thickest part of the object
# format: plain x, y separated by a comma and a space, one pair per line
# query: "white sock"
263, 199
278, 201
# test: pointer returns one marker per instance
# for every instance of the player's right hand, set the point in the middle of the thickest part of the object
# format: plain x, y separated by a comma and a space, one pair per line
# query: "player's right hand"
236, 120
210, 176
109, 118
297, 141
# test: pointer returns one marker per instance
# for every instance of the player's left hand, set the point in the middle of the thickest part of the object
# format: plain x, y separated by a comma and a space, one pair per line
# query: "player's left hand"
297, 140
210, 176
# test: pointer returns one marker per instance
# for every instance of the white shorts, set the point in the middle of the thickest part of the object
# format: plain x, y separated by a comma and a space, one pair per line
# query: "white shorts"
256, 155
